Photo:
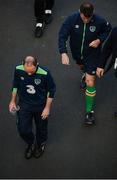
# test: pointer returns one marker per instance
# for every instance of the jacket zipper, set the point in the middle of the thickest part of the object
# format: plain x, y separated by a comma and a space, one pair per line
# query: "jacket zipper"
83, 38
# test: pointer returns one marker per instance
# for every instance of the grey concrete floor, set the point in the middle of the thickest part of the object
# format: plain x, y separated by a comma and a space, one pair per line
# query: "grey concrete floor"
73, 151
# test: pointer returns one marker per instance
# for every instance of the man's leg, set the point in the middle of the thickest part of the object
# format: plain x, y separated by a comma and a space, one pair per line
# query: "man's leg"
49, 4
83, 78
41, 134
48, 11
39, 7
88, 84
82, 68
90, 94
24, 125
39, 10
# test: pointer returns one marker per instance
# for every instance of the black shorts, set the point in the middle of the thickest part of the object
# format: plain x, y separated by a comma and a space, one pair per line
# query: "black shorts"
89, 67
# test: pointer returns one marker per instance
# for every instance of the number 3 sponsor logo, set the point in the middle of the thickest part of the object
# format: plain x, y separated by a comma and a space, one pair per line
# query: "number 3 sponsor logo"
31, 89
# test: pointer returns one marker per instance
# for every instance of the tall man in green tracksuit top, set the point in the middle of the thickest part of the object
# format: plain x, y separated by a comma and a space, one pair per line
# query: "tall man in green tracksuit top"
35, 89
86, 32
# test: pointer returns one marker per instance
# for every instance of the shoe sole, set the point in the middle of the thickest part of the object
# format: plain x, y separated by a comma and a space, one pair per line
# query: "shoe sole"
89, 123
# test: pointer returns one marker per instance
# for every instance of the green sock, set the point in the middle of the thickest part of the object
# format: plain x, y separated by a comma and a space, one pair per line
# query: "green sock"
90, 95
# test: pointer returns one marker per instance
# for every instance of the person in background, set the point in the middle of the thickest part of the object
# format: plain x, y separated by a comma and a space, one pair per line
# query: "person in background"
43, 15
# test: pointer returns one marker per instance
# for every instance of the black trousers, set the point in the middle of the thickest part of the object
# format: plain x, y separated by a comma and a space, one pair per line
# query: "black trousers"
40, 6
25, 126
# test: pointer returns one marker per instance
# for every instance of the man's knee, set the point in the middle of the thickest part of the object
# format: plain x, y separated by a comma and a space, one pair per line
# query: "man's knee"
23, 130
90, 80
90, 83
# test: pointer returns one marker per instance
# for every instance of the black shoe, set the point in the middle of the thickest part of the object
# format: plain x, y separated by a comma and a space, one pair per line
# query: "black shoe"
39, 29
89, 118
83, 83
39, 150
48, 18
29, 151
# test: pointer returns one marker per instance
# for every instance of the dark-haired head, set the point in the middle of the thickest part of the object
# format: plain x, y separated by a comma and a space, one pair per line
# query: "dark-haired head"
87, 9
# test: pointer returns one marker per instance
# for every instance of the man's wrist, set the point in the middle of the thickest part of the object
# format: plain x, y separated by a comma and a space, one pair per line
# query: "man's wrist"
98, 40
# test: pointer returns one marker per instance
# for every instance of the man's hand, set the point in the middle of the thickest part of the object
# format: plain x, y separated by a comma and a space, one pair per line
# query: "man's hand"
95, 43
12, 105
100, 72
45, 113
65, 59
